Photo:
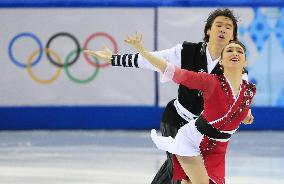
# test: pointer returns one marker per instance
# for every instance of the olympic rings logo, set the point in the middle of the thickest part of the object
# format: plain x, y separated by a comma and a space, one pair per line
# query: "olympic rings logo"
54, 58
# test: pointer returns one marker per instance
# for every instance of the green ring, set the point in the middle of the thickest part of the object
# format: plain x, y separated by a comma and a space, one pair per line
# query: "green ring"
80, 81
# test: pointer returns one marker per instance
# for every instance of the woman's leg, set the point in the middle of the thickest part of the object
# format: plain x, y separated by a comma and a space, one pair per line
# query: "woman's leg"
194, 169
185, 182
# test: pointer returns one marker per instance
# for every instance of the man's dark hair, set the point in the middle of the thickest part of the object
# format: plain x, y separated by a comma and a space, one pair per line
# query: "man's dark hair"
220, 12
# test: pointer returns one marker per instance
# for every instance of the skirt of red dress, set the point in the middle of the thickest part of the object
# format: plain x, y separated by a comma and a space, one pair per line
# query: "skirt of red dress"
178, 174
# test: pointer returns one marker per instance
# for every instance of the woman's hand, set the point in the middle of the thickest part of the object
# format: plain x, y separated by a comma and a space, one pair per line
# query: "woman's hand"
136, 42
104, 55
156, 61
249, 118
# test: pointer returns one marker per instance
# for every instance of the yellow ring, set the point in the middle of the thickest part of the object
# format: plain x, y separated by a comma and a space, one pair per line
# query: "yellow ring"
35, 78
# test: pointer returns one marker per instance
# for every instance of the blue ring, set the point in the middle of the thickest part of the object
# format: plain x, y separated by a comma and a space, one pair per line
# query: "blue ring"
14, 60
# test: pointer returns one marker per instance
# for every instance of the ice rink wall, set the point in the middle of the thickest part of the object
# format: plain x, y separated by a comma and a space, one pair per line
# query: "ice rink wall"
46, 83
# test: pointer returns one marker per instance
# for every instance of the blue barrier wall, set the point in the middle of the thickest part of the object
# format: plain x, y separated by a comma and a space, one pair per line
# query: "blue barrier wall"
25, 118
118, 117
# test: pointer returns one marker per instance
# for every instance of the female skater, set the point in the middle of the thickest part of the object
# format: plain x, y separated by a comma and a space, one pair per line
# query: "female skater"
220, 27
200, 145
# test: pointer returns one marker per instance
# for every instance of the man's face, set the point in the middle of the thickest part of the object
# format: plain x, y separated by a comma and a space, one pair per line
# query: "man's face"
221, 31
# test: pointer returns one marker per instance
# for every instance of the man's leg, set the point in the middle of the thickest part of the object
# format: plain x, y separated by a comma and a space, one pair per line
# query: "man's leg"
165, 173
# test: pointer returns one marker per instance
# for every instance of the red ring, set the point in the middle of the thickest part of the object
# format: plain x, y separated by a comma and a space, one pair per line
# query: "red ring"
88, 59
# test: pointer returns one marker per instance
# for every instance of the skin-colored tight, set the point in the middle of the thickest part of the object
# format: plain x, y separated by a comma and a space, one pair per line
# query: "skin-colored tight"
194, 168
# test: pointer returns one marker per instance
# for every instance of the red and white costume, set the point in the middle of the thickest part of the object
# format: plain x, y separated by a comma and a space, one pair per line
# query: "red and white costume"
222, 110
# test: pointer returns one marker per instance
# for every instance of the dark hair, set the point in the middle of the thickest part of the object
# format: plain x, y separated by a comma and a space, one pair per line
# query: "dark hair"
236, 42
240, 44
220, 12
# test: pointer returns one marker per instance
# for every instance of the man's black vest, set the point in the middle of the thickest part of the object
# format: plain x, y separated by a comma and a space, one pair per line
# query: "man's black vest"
193, 58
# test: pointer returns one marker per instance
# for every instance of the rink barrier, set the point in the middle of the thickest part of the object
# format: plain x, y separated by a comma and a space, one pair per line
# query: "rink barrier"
112, 118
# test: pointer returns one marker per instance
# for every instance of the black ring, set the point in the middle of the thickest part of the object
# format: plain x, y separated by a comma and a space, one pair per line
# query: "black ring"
72, 38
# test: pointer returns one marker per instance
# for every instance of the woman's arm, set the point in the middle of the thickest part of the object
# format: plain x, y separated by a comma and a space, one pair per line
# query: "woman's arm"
157, 62
172, 55
190, 79
194, 80
249, 118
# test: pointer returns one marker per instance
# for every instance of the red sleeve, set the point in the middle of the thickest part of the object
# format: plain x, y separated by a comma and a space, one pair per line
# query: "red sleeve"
193, 80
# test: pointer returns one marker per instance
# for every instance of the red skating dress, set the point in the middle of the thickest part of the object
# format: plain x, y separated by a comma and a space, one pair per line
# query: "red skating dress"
222, 110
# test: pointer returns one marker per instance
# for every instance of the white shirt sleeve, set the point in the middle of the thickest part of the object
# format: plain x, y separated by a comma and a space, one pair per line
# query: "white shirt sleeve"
172, 55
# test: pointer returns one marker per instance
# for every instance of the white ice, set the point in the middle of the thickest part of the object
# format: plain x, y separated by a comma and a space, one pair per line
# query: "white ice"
124, 157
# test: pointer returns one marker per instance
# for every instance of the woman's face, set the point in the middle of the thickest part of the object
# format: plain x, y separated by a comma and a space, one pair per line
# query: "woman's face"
233, 57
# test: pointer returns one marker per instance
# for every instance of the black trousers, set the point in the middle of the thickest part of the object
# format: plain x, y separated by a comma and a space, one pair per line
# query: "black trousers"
165, 173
